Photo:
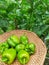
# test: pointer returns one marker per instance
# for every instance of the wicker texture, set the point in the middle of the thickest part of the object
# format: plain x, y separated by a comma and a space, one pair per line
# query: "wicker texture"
36, 59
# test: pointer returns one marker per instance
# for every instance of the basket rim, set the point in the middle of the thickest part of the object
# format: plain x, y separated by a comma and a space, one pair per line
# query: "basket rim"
31, 33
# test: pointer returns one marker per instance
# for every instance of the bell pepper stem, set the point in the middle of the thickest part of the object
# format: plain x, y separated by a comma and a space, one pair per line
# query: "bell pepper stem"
23, 61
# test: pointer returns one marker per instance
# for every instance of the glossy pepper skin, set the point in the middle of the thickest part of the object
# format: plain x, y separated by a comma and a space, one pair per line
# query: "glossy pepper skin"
27, 48
23, 39
9, 55
11, 43
13, 40
23, 56
20, 47
30, 48
3, 47
5, 44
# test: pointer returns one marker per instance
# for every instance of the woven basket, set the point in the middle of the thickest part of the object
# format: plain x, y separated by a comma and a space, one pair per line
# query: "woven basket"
36, 59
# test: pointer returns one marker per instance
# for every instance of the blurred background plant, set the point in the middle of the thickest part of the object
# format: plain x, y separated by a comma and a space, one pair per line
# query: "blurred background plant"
32, 15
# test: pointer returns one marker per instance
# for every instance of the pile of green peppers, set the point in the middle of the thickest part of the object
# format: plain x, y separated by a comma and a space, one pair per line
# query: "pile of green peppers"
15, 47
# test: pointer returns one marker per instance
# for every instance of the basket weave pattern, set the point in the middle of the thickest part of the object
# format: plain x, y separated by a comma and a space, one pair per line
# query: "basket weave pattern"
36, 59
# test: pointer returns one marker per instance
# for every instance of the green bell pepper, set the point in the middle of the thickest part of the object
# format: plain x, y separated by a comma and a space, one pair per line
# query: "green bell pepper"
30, 48
3, 47
27, 47
5, 44
9, 55
11, 43
24, 39
23, 56
20, 47
13, 40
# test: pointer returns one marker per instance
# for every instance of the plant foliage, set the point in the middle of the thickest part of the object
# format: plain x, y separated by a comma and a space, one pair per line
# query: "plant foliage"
32, 15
